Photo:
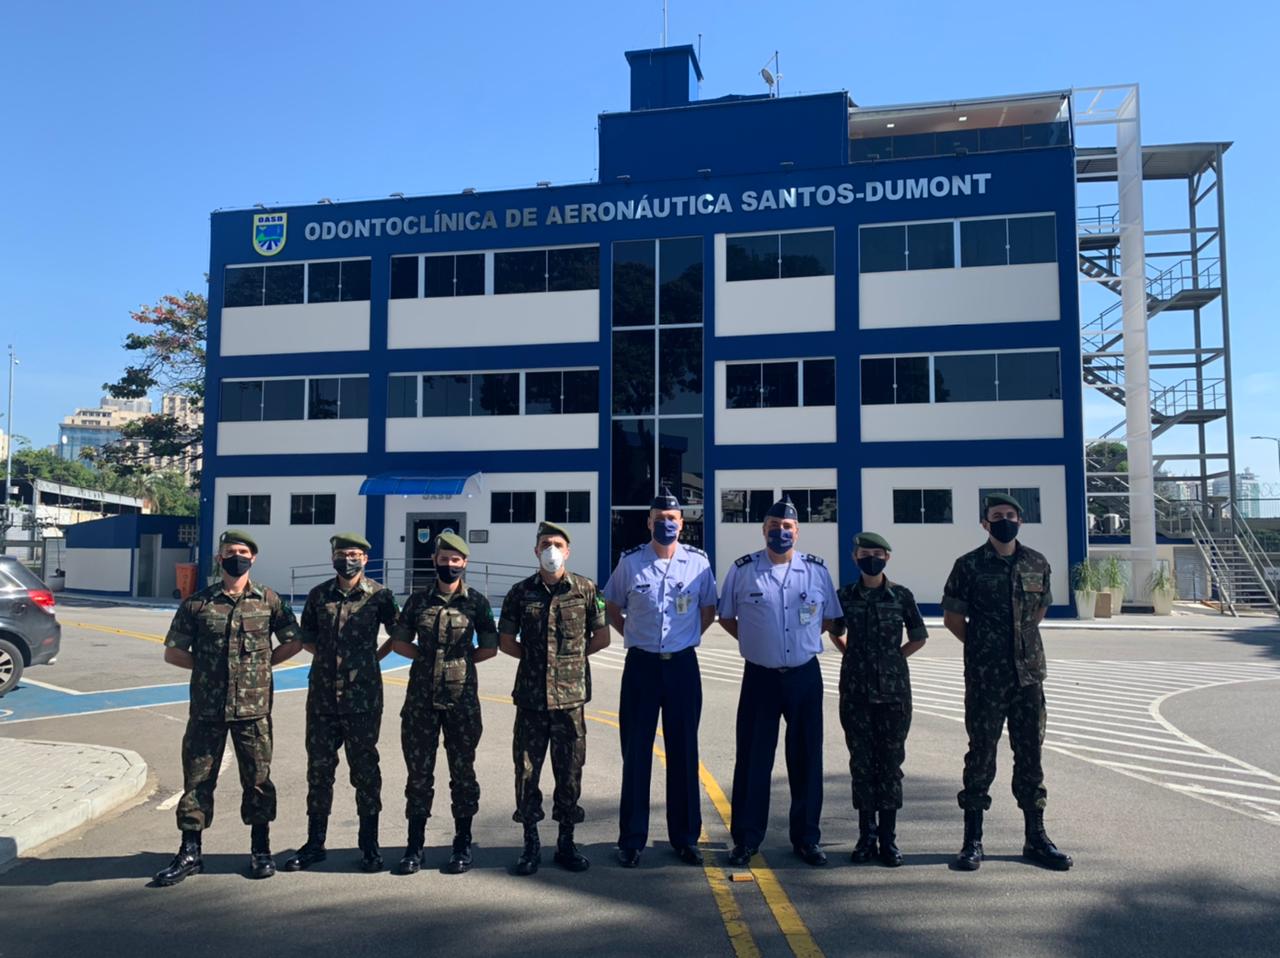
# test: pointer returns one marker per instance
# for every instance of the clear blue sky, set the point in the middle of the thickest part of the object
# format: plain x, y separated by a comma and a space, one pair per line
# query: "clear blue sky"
126, 123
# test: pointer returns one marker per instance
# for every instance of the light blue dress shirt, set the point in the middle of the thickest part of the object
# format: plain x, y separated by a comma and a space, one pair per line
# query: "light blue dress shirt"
662, 598
779, 614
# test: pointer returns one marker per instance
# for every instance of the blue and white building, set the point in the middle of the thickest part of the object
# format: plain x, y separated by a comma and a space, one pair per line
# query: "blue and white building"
871, 309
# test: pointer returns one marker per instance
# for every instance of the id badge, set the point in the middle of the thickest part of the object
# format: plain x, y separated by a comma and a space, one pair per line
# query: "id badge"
683, 602
807, 611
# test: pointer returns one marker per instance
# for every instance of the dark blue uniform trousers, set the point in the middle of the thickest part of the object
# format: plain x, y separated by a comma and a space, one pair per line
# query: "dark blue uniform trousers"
768, 695
651, 683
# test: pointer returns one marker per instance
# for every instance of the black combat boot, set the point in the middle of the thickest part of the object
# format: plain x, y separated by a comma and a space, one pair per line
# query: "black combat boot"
529, 860
460, 860
970, 857
371, 854
188, 861
865, 850
261, 864
887, 832
1038, 848
412, 858
313, 850
567, 854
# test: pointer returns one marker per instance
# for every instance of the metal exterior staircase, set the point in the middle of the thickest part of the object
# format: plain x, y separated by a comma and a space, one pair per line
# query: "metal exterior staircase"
1244, 577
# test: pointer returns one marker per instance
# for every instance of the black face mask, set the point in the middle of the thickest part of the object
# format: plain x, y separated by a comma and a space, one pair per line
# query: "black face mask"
236, 566
871, 565
448, 574
347, 568
1004, 530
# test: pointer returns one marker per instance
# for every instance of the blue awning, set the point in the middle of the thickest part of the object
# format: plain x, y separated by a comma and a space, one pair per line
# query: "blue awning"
413, 484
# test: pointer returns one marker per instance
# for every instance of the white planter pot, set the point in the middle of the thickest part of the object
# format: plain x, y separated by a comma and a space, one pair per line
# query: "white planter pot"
1117, 600
1162, 602
1085, 602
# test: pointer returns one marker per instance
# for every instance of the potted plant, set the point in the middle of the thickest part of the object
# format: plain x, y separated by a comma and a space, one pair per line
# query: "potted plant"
1086, 582
1114, 579
1163, 588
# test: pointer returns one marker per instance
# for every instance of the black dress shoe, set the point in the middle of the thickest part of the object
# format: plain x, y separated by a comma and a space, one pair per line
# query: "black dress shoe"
411, 862
811, 854
629, 857
689, 855
740, 857
460, 859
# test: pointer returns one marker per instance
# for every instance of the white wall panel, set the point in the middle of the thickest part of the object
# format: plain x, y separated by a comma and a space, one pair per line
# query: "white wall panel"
99, 570
468, 433
295, 328
292, 436
1023, 419
512, 319
1024, 293
802, 304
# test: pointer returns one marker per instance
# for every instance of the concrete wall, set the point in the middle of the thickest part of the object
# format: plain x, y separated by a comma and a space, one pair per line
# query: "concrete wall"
467, 433
1024, 293
99, 570
274, 437
512, 319
295, 328
1021, 419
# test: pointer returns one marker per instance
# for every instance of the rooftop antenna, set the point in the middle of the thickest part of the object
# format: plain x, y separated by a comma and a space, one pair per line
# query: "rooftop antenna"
664, 22
770, 78
699, 62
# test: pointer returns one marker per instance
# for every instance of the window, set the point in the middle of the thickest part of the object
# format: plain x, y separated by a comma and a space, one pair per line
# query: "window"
745, 505
241, 401
999, 241
776, 385
813, 505
1031, 239
546, 392
984, 242
248, 510
780, 255
882, 249
568, 507
312, 509
508, 507
402, 397
282, 399
495, 394
556, 391
292, 283
916, 506
1028, 376
964, 377
1015, 240
276, 400
446, 395
931, 245
459, 275
635, 283
546, 270
284, 284
404, 277
819, 377
345, 397
1029, 497
346, 281
680, 281
242, 286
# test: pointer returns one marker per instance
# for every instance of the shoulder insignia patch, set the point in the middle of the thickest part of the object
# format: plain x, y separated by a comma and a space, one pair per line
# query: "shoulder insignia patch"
696, 551
816, 560
634, 549
745, 560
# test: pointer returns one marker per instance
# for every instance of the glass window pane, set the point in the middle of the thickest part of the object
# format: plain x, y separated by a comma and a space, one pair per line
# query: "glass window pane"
733, 505
633, 373
1000, 138
915, 144
634, 285
1030, 500
404, 277
913, 379
402, 397
241, 401
446, 395
819, 382
1043, 134
906, 506
780, 384
521, 271
931, 246
575, 268
882, 249
1028, 376
680, 458
355, 280
627, 528
937, 505
808, 254
325, 510
354, 397
323, 400
557, 507
524, 507
633, 462
680, 296
283, 285
542, 393
282, 399
259, 510
1031, 239
822, 505
970, 378
751, 257
957, 141
742, 385
982, 243
242, 286
438, 276
301, 510
680, 371
800, 499
468, 274
499, 507
871, 148
578, 507
237, 510
495, 394
322, 282
759, 501
581, 391
877, 382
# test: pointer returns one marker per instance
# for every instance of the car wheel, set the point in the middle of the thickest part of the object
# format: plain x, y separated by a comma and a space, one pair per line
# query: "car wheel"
10, 665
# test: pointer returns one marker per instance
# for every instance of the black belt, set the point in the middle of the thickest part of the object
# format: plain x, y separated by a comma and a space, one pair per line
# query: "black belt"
663, 656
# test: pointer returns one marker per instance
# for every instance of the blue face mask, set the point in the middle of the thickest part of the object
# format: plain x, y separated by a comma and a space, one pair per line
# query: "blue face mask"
665, 531
781, 540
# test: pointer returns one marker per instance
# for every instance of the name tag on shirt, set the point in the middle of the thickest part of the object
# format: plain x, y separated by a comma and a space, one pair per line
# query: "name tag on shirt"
1033, 582
683, 602
808, 611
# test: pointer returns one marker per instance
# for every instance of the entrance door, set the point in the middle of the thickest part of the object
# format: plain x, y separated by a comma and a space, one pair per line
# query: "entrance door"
420, 543
148, 561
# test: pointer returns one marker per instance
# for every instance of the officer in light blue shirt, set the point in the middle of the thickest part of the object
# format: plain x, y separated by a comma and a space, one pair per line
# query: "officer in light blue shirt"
777, 602
662, 597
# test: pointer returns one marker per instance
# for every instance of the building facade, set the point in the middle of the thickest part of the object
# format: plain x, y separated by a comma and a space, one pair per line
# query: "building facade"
872, 310
93, 428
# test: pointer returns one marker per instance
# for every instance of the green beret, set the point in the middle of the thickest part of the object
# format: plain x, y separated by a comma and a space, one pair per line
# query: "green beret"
451, 540
871, 540
236, 535
551, 529
1000, 499
349, 540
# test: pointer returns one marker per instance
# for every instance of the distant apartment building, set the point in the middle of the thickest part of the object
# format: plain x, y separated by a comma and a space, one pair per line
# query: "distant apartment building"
93, 428
1248, 493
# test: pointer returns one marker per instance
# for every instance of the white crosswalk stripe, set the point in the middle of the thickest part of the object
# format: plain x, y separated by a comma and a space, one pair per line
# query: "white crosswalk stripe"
1100, 711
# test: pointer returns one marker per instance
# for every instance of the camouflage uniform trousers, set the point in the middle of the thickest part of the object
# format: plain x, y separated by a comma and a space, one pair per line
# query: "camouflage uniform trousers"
358, 734
420, 728
202, 749
987, 703
876, 734
565, 730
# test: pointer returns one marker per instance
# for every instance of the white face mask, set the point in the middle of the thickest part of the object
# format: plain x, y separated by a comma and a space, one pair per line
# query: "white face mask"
551, 559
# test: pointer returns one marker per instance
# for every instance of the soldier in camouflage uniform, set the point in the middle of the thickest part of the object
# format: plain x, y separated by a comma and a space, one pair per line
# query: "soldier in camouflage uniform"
340, 624
223, 635
875, 693
436, 630
993, 602
560, 619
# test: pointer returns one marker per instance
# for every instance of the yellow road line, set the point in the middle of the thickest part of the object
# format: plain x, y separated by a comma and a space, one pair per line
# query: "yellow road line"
158, 639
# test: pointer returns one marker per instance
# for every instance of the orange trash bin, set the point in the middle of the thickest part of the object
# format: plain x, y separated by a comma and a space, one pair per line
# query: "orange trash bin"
186, 575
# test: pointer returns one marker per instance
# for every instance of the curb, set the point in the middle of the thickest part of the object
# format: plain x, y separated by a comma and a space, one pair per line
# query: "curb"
66, 815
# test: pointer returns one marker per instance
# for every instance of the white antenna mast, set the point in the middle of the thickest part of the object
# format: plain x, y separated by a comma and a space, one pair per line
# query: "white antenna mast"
664, 22
770, 78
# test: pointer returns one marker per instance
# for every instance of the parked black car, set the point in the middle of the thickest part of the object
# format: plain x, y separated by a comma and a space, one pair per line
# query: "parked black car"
29, 630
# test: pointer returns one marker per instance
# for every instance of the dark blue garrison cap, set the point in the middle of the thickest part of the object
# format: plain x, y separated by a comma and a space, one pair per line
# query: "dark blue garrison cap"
784, 508
665, 500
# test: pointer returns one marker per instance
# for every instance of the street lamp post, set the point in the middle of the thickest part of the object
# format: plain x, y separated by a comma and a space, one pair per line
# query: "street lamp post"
8, 460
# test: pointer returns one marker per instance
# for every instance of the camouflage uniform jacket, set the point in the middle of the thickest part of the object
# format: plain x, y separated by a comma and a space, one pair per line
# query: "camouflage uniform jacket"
444, 624
1000, 600
343, 627
554, 625
230, 639
874, 667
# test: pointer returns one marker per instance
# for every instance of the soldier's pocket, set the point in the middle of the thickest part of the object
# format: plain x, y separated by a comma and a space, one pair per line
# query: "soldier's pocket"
453, 678
571, 627
256, 637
